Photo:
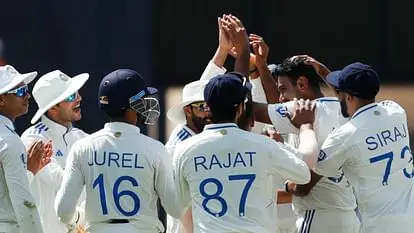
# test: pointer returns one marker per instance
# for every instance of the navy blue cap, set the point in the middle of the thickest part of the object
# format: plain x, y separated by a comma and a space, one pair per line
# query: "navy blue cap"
118, 87
357, 79
226, 90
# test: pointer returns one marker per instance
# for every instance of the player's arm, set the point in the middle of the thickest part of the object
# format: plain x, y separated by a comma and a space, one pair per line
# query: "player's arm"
18, 186
284, 197
165, 184
335, 152
71, 188
216, 64
287, 165
181, 185
187, 221
261, 51
303, 189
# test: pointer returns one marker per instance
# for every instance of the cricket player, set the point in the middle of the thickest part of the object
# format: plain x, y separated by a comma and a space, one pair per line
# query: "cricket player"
124, 171
327, 199
18, 211
57, 97
373, 150
225, 173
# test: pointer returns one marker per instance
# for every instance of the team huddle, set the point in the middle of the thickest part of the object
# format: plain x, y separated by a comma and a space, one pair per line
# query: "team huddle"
256, 149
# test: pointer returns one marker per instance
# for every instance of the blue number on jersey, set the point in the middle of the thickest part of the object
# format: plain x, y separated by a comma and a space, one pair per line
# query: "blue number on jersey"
99, 181
389, 157
216, 196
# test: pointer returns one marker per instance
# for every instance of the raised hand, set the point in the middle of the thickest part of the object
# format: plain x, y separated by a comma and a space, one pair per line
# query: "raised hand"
304, 112
224, 40
260, 48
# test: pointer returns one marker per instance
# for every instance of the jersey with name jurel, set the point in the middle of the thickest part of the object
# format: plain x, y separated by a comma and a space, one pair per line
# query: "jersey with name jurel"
334, 193
226, 174
373, 150
124, 172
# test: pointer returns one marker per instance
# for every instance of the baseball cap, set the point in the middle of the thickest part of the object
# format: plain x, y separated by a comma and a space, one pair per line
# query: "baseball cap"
121, 87
226, 90
357, 79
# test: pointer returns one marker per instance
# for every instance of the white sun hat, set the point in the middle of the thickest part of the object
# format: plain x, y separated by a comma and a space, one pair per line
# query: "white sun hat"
192, 92
54, 87
10, 78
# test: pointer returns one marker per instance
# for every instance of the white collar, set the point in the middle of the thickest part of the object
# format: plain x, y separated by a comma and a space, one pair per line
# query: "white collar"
189, 130
363, 109
122, 126
7, 122
54, 126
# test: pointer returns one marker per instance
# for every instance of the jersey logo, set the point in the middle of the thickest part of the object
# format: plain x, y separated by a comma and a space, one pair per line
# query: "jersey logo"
59, 153
40, 128
23, 157
322, 155
282, 110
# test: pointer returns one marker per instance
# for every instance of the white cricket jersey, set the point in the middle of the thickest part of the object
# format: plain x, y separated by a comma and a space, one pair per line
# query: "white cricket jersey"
16, 203
45, 184
373, 149
125, 172
179, 134
226, 175
334, 193
182, 132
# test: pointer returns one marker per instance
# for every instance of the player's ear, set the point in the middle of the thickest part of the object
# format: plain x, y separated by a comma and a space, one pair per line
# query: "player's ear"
302, 83
2, 100
187, 111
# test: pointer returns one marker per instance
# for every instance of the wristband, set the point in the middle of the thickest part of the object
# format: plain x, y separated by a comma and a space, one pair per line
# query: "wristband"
287, 186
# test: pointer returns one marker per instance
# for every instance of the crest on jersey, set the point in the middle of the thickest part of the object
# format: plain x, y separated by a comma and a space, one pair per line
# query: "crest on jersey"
322, 155
282, 110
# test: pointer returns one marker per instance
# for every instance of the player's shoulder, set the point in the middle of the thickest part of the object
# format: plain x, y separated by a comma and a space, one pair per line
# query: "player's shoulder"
38, 130
391, 106
179, 134
345, 132
78, 133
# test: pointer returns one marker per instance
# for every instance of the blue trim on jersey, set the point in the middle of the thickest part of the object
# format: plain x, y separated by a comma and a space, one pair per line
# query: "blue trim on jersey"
11, 130
363, 110
326, 100
38, 125
222, 127
182, 135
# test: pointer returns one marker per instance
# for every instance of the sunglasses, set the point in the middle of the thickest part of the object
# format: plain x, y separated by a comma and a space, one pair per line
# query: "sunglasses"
20, 91
202, 106
72, 97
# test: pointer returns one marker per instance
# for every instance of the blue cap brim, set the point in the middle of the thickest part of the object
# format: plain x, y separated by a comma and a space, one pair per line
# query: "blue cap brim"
152, 90
333, 78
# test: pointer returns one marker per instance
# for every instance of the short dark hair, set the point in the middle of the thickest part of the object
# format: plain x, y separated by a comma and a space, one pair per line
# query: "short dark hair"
294, 68
223, 114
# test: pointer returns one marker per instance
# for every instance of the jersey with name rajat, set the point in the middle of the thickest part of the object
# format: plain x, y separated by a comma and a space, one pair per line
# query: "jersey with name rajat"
226, 174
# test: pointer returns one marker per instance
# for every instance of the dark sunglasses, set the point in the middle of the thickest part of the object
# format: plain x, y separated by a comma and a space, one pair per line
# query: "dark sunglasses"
20, 91
202, 106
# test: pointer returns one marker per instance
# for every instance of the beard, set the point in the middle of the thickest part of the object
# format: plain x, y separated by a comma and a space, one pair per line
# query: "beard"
344, 108
200, 122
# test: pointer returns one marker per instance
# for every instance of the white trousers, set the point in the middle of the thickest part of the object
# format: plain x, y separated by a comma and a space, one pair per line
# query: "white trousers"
325, 221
